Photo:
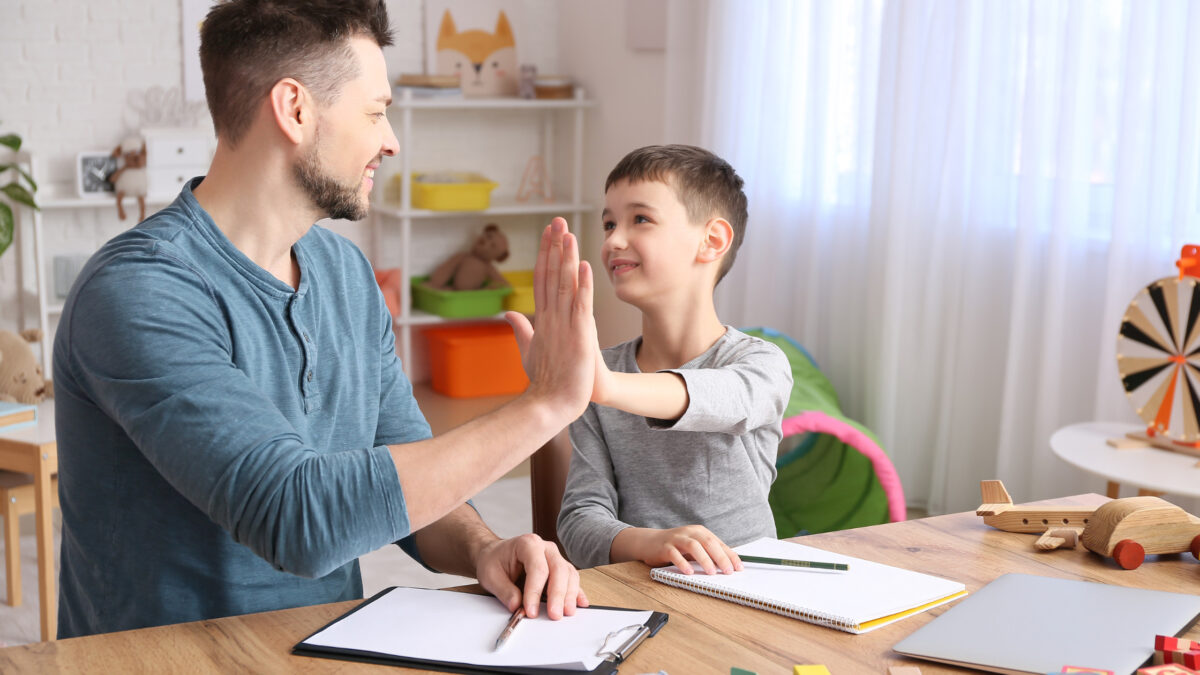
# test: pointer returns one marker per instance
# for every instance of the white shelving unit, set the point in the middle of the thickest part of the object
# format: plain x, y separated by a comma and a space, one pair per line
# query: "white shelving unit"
545, 111
50, 198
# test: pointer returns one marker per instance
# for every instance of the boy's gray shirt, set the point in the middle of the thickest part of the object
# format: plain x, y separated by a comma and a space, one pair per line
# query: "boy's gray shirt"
713, 466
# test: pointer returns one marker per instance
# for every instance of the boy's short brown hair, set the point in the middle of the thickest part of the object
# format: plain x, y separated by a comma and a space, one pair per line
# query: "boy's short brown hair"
705, 184
246, 46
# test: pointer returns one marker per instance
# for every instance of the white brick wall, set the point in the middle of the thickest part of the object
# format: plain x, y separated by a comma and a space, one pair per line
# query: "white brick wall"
69, 69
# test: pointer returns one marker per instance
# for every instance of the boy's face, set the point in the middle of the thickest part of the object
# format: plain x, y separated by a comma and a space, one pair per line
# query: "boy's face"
650, 245
337, 170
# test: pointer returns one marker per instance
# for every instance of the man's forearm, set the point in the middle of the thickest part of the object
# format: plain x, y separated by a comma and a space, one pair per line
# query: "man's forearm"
441, 473
451, 545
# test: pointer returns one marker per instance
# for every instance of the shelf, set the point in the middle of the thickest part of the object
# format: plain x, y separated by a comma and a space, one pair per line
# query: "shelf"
402, 101
64, 197
500, 208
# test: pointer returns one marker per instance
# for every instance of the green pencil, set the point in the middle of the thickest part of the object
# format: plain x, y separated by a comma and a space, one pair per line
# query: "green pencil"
795, 563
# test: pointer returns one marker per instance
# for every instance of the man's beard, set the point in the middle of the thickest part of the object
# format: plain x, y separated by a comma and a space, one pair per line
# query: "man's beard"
334, 199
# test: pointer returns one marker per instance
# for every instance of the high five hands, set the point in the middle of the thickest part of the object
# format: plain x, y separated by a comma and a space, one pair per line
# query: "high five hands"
559, 348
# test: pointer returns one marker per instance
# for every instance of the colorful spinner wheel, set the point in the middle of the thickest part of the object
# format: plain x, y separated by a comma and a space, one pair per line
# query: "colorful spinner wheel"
1158, 354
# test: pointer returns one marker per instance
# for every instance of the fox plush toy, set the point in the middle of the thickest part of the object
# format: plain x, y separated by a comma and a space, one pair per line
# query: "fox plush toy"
485, 63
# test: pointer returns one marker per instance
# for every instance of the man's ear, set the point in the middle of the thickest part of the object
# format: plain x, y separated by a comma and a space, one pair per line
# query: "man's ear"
718, 237
292, 109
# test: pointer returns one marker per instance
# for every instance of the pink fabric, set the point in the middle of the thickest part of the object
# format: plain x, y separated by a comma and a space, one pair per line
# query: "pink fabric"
885, 471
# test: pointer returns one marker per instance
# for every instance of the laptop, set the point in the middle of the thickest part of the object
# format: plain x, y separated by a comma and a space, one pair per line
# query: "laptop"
1021, 623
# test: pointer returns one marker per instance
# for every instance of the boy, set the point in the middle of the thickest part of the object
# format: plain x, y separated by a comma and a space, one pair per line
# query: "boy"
676, 453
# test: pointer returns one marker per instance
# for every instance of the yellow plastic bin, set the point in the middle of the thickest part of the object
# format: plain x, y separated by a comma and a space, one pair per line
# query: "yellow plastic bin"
451, 191
521, 299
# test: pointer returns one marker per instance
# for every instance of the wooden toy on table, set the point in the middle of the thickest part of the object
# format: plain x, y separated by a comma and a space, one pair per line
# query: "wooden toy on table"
1124, 529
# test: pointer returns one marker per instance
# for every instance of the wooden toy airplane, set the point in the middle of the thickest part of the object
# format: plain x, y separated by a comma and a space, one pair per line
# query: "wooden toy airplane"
1058, 525
1124, 529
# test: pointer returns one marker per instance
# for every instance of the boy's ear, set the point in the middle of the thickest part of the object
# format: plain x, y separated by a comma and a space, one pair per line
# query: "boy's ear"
718, 237
292, 109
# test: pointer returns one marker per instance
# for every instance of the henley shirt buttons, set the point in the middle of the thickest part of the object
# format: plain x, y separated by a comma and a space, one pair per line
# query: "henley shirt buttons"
310, 376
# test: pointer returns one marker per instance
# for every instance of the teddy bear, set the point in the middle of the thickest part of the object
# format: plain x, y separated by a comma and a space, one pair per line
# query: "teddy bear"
21, 378
474, 269
131, 178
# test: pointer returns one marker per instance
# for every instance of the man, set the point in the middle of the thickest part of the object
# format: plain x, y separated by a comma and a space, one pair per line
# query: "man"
234, 426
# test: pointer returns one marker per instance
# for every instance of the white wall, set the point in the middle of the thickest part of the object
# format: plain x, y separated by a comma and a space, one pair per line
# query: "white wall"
629, 88
74, 71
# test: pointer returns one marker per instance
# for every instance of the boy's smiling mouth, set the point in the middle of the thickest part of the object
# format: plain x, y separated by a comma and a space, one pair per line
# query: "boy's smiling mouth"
620, 266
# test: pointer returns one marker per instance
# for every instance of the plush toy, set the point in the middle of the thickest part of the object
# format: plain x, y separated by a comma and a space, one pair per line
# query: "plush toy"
21, 378
130, 179
474, 269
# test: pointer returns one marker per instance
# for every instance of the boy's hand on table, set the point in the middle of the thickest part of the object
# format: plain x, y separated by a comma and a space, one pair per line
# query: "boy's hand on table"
559, 346
504, 562
677, 546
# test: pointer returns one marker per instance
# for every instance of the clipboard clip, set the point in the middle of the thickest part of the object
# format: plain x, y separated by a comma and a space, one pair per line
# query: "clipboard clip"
620, 653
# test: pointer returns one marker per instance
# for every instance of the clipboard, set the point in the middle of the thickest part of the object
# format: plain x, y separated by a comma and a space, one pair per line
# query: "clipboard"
614, 651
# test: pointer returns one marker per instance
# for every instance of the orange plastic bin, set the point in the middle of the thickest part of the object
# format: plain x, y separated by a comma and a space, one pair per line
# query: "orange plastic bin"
475, 360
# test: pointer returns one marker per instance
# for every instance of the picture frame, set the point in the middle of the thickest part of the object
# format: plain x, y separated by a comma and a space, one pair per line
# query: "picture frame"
92, 169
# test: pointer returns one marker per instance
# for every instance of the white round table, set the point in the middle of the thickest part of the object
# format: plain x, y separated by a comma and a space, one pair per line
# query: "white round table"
1150, 469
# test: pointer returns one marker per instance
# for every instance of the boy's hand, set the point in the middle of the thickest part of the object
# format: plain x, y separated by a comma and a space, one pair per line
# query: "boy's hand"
675, 547
558, 348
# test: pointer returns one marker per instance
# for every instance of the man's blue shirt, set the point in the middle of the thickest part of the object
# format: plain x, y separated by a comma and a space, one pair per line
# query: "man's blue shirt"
222, 436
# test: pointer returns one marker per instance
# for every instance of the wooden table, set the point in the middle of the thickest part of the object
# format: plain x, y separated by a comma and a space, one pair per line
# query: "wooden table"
33, 450
703, 635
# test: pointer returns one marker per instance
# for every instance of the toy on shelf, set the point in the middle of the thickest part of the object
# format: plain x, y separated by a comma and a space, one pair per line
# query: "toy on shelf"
131, 178
485, 63
21, 379
534, 181
1123, 529
474, 269
1159, 339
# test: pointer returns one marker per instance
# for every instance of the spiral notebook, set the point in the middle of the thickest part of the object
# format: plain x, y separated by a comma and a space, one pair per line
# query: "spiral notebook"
865, 597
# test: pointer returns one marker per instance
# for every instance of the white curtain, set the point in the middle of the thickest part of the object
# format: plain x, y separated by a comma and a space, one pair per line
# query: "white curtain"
951, 205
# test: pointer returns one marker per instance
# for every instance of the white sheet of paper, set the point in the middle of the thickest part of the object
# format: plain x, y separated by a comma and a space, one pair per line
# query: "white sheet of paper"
461, 627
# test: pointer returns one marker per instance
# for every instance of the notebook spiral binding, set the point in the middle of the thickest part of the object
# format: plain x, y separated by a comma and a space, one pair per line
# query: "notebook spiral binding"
819, 618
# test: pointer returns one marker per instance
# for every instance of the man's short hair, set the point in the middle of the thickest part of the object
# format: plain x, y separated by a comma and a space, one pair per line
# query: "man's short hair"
246, 46
705, 184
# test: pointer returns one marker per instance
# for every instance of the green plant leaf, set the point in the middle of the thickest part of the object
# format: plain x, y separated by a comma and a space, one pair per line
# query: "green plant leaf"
6, 227
11, 140
19, 194
32, 183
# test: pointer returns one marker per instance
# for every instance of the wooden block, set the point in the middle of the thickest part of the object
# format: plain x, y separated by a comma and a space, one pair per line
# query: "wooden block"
1174, 644
1080, 669
904, 670
1190, 659
1124, 443
1168, 669
810, 670
741, 671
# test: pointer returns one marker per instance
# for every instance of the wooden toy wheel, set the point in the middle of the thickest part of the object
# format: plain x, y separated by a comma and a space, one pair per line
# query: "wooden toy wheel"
1158, 356
1129, 554
1196, 547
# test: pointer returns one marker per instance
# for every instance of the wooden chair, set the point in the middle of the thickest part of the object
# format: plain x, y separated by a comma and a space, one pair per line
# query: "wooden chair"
547, 481
16, 498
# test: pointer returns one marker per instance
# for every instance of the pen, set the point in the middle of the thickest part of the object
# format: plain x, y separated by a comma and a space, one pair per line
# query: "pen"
795, 563
510, 627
